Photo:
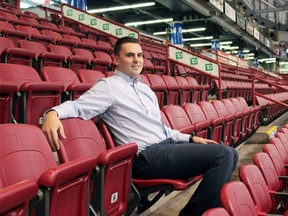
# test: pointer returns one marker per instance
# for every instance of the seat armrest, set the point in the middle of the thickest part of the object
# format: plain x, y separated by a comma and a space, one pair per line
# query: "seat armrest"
116, 154
16, 194
217, 121
41, 86
188, 130
201, 125
67, 171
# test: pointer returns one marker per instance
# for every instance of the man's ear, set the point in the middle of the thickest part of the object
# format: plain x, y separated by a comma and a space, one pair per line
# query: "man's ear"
115, 60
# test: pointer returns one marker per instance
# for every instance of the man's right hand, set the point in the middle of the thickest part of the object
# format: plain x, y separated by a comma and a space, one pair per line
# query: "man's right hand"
53, 129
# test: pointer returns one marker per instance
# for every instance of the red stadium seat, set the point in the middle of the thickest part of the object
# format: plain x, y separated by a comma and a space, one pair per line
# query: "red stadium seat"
200, 92
236, 199
35, 35
58, 39
67, 78
114, 179
173, 90
198, 119
64, 186
216, 122
252, 177
178, 118
216, 212
32, 91
14, 55
229, 121
103, 61
158, 85
186, 90
42, 56
7, 30
74, 62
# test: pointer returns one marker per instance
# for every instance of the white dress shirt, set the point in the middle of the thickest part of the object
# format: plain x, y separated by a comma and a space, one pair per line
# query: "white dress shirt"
128, 106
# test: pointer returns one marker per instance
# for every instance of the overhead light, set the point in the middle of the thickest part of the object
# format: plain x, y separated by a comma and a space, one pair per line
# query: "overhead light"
283, 63
247, 58
193, 30
124, 7
148, 22
200, 45
271, 61
183, 30
225, 42
249, 54
198, 38
230, 47
267, 59
160, 33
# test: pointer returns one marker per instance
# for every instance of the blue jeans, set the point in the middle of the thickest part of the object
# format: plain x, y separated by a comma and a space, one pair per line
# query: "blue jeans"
182, 160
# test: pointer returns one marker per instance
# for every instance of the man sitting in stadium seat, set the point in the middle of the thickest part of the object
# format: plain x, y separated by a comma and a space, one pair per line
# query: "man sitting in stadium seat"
131, 111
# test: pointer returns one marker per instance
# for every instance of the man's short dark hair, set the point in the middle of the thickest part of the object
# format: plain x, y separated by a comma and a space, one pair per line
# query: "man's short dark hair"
121, 41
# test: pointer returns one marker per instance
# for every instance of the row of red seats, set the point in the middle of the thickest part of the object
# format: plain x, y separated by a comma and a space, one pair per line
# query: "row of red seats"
21, 86
37, 55
261, 189
225, 121
272, 110
232, 89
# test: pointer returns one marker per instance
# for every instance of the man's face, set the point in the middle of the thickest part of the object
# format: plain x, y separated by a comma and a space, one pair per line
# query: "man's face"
130, 59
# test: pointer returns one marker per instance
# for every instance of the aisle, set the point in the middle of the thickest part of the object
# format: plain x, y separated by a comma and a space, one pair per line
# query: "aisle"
173, 203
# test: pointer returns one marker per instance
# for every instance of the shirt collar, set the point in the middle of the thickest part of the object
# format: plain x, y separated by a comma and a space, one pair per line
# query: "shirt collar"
126, 77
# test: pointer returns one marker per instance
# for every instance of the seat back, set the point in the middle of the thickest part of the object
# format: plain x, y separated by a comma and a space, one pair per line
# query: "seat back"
103, 61
251, 176
159, 87
65, 51
281, 147
238, 119
66, 77
90, 76
65, 187
84, 52
236, 199
198, 119
273, 153
112, 184
267, 168
217, 123
178, 118
186, 90
173, 90
229, 120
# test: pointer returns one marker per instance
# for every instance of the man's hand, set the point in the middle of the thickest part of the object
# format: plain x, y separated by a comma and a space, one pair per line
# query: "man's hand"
203, 140
53, 129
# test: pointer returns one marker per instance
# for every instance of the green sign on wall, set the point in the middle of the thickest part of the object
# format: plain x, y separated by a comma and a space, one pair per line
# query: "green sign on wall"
106, 26
118, 31
81, 17
70, 12
93, 22
194, 61
208, 67
179, 55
